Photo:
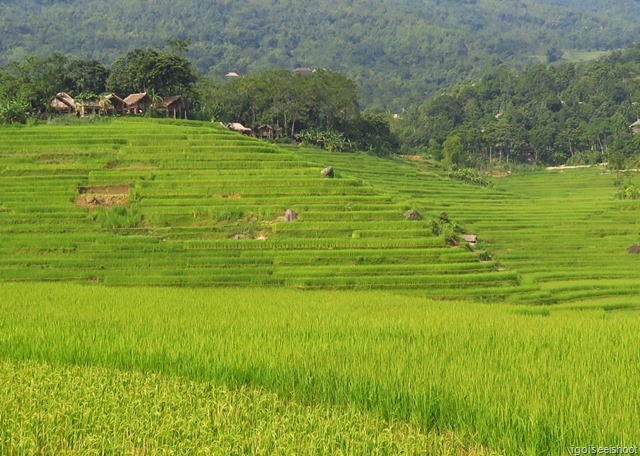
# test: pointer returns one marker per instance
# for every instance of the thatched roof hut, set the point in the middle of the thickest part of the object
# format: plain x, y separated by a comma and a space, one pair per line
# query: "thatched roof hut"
137, 103
236, 126
177, 106
88, 108
112, 104
63, 103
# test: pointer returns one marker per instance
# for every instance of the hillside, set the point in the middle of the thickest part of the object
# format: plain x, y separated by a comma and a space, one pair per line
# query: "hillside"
562, 230
146, 266
138, 202
153, 202
398, 51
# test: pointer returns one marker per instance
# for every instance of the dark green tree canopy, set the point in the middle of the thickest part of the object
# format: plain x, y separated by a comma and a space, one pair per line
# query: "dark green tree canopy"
152, 70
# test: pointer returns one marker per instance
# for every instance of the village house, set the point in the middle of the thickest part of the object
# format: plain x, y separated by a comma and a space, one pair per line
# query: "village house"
138, 103
265, 132
177, 106
237, 126
63, 103
88, 108
112, 104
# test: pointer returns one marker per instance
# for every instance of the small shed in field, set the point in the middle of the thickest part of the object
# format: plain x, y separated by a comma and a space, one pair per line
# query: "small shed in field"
137, 103
112, 104
470, 239
63, 103
236, 126
265, 132
177, 106
88, 108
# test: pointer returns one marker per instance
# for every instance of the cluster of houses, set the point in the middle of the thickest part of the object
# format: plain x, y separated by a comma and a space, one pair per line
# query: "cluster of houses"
177, 106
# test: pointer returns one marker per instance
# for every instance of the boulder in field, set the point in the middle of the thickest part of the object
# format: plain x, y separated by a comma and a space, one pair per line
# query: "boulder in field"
327, 172
635, 248
290, 215
412, 215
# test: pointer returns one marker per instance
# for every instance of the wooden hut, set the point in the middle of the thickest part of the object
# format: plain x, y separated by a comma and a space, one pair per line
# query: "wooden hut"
265, 132
236, 126
111, 104
63, 103
88, 108
635, 127
137, 103
177, 106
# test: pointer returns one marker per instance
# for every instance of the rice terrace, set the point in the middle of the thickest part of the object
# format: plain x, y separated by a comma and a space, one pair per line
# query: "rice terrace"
172, 287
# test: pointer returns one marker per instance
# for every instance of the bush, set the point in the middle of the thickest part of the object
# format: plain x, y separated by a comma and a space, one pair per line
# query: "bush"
628, 192
116, 217
469, 175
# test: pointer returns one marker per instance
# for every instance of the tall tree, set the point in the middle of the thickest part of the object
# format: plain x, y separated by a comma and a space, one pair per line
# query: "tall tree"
145, 70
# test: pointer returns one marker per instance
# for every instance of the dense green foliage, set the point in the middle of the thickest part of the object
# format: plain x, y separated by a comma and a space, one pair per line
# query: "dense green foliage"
164, 73
563, 113
516, 380
34, 81
320, 108
397, 50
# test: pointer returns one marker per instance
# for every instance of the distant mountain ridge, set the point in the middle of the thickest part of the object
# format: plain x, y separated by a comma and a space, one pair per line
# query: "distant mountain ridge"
399, 51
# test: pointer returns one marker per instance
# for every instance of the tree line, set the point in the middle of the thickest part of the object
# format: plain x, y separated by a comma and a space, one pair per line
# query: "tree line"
546, 114
399, 51
319, 106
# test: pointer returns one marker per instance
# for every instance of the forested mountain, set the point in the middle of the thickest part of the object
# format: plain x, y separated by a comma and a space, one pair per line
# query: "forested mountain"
398, 51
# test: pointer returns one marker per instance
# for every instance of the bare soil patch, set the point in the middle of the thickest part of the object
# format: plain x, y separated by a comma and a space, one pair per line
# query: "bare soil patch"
412, 157
108, 196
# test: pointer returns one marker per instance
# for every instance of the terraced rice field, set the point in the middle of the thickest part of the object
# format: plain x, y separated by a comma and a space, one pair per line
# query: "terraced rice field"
562, 231
153, 300
168, 203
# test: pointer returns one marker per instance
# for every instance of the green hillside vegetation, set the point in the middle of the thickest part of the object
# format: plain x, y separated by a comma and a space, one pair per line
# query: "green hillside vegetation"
160, 202
397, 51
153, 202
562, 113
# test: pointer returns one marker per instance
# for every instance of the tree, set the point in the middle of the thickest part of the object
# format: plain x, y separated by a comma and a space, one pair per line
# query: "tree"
38, 79
453, 151
13, 110
86, 76
144, 70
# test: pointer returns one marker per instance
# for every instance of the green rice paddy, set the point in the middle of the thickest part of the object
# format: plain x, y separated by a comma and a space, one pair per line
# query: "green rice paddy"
153, 300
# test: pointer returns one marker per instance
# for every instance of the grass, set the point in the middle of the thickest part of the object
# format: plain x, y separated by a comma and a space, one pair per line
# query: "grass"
192, 318
512, 380
91, 410
195, 189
